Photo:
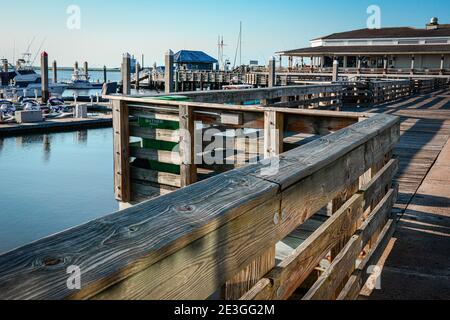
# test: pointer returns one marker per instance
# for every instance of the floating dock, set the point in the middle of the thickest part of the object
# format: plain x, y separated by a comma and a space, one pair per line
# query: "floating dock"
55, 125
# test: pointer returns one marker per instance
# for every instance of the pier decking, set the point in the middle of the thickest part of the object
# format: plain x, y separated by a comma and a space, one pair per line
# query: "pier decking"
416, 262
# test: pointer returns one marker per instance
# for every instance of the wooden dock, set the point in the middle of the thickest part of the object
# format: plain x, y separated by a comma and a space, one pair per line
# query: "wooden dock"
307, 222
55, 125
416, 264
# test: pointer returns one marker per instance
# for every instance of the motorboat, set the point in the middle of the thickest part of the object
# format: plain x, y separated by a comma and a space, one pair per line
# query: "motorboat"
80, 81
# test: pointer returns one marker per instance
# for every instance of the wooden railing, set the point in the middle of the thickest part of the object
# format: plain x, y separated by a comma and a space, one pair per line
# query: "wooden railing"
221, 237
159, 159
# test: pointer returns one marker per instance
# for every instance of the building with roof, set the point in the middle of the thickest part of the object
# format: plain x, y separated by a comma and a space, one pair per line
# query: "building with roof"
194, 60
385, 50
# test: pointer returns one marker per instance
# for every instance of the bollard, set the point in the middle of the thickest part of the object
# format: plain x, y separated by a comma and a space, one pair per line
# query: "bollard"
44, 77
126, 76
169, 72
272, 75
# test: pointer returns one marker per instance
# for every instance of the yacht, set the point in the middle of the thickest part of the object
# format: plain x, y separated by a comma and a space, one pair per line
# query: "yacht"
27, 83
80, 81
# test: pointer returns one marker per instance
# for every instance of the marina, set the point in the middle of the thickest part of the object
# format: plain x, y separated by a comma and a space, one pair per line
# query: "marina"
211, 179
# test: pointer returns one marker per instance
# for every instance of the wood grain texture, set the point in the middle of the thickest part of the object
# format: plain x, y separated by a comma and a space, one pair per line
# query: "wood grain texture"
345, 263
115, 247
360, 276
296, 268
187, 146
121, 151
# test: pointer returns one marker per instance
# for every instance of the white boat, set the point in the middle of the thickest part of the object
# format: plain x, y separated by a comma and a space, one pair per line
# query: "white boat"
27, 83
80, 81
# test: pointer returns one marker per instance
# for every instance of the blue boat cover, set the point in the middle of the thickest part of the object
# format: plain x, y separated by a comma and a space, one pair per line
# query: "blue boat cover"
187, 56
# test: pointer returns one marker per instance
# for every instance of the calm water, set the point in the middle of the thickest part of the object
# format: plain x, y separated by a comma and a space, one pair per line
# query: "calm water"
52, 182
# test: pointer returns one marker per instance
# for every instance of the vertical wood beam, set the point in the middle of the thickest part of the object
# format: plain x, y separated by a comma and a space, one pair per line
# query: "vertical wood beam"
121, 151
188, 170
44, 77
169, 72
272, 74
240, 284
126, 74
273, 133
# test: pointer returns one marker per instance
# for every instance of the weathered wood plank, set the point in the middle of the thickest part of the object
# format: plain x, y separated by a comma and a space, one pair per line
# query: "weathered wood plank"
360, 276
121, 151
295, 269
155, 134
188, 170
200, 268
345, 263
156, 155
117, 246
273, 133
247, 278
165, 178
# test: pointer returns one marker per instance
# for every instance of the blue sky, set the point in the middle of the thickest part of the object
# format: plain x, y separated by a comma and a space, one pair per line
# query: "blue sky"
111, 27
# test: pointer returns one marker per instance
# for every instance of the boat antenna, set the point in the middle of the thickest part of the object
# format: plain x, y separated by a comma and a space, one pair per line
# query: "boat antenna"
37, 52
238, 47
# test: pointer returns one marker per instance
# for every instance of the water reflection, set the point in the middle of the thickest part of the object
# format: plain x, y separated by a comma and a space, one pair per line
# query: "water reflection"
46, 148
43, 192
81, 137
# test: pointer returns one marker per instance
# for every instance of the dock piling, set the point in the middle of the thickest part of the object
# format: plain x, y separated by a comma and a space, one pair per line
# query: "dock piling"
272, 76
105, 76
86, 68
5, 65
44, 76
55, 71
75, 66
335, 71
126, 77
169, 72
137, 75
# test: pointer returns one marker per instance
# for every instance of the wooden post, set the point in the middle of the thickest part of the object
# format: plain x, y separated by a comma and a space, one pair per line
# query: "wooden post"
126, 74
335, 70
169, 72
55, 72
358, 64
86, 68
137, 75
121, 151
44, 77
412, 64
188, 170
5, 65
273, 133
75, 66
105, 76
272, 74
442, 65
385, 65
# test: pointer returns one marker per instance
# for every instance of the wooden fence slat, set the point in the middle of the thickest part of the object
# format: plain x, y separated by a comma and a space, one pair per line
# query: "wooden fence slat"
295, 269
121, 151
345, 263
155, 134
170, 157
164, 178
356, 282
187, 146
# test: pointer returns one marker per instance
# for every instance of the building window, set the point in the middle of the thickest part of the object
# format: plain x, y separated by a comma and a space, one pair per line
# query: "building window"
437, 41
408, 42
351, 62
